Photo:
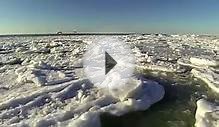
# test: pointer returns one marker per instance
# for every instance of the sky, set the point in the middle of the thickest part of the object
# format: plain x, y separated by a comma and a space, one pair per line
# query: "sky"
147, 16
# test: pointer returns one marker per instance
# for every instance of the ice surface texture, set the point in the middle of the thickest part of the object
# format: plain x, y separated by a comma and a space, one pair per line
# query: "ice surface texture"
42, 84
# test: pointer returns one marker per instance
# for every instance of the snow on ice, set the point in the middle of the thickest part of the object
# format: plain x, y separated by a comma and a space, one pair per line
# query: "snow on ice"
42, 80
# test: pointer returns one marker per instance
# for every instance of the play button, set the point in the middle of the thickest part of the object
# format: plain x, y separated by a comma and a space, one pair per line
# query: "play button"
108, 63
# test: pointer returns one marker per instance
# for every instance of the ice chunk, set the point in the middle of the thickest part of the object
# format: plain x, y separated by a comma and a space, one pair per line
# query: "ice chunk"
207, 114
209, 77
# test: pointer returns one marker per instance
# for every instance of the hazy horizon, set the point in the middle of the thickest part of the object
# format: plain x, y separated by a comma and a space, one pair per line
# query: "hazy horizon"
149, 16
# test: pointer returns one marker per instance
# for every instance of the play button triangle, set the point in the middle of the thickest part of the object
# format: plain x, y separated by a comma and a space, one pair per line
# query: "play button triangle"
109, 62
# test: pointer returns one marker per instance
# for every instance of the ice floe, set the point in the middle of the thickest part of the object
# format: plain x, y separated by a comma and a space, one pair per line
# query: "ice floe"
207, 114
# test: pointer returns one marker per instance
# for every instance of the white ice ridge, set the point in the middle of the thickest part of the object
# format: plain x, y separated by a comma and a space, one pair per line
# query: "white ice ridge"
207, 114
209, 77
204, 68
76, 104
42, 74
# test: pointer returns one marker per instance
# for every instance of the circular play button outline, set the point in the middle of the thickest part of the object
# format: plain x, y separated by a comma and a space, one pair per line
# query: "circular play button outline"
109, 63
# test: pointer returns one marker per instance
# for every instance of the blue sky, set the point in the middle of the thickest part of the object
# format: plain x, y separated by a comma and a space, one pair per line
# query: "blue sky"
149, 16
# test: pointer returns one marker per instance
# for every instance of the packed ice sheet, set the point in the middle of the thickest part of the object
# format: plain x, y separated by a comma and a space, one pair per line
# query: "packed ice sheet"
42, 81
43, 85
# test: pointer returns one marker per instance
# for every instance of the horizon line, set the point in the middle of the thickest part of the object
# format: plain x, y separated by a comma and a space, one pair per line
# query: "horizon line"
68, 33
95, 33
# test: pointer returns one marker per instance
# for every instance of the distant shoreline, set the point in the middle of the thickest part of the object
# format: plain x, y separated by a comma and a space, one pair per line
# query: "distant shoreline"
68, 34
93, 33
